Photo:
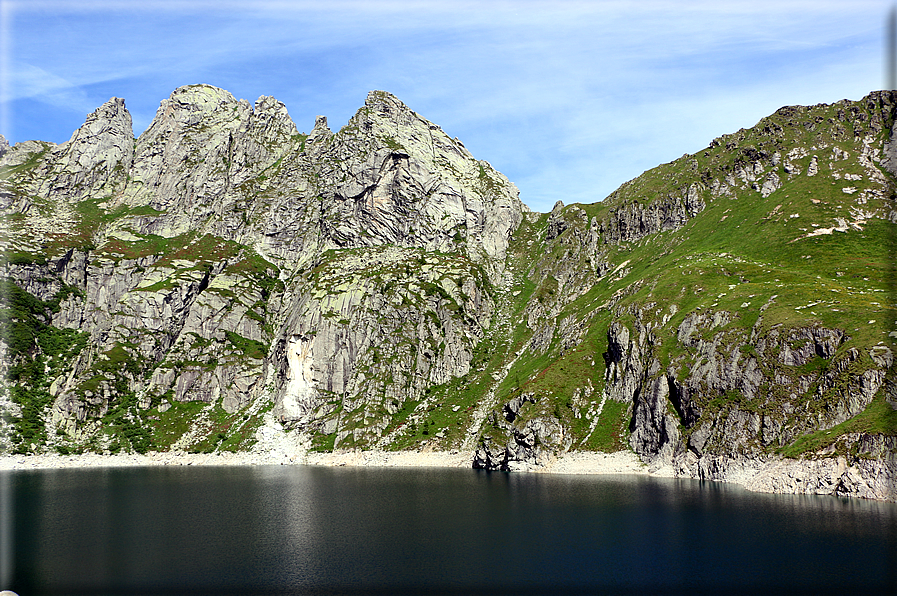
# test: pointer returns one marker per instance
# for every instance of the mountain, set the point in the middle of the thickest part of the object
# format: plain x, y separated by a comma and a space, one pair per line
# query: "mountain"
379, 287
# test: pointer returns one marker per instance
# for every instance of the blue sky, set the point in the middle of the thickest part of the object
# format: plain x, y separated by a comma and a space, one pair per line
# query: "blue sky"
568, 99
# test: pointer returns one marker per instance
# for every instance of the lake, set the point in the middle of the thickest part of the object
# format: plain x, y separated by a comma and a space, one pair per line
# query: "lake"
311, 530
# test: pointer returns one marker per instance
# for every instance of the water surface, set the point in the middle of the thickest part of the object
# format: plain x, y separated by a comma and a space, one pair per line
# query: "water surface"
298, 529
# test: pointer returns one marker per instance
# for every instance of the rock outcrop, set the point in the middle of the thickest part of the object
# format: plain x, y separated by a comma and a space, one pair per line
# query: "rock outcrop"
225, 258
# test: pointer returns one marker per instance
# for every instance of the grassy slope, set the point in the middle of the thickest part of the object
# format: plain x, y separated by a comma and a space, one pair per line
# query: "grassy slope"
740, 252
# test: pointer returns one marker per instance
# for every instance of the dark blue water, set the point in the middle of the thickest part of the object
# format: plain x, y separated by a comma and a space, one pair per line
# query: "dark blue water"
284, 530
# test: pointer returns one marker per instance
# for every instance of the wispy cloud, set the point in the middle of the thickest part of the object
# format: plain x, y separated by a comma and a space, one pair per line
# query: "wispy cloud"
568, 98
33, 81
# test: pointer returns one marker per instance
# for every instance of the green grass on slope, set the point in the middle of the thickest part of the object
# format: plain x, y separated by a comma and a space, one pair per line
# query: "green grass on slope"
744, 252
36, 354
879, 417
755, 245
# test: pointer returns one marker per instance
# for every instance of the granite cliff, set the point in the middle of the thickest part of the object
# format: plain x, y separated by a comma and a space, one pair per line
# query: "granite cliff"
379, 287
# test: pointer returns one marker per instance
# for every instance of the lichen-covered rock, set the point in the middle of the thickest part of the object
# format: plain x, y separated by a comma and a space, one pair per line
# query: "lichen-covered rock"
225, 258
334, 368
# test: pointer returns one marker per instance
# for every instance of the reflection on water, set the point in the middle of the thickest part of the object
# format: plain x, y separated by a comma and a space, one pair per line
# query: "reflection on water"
296, 529
6, 527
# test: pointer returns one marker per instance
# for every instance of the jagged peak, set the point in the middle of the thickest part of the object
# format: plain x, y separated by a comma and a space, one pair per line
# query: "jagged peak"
269, 103
202, 93
197, 105
113, 104
321, 124
109, 111
269, 110
386, 104
377, 97
109, 124
320, 130
202, 101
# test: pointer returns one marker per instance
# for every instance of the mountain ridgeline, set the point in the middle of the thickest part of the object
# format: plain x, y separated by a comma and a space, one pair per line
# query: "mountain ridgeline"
381, 288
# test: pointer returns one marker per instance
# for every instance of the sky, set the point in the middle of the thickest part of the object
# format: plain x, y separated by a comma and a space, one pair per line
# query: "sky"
568, 99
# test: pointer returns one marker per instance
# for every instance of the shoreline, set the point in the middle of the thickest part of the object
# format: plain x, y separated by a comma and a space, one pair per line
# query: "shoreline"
622, 462
830, 476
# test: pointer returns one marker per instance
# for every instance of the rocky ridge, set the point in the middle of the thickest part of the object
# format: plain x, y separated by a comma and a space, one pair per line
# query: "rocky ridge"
723, 315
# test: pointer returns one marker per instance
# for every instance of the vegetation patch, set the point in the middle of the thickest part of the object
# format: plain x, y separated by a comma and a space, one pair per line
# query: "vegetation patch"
879, 417
249, 347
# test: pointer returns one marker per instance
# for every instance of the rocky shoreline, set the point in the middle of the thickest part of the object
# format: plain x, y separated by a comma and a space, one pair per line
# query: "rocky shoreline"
571, 463
830, 476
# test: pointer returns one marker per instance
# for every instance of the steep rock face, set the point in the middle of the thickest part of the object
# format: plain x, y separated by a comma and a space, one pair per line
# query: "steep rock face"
162, 332
634, 221
693, 399
527, 444
401, 180
336, 372
207, 262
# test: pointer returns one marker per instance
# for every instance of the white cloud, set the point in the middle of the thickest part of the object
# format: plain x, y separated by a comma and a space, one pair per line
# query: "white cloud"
33, 81
564, 97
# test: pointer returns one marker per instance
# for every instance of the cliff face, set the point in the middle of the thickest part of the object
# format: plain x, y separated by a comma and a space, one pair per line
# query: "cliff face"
224, 258
380, 287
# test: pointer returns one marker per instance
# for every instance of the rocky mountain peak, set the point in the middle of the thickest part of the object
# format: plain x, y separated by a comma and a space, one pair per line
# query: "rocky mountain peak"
202, 95
94, 161
393, 177
195, 107
385, 103
320, 131
386, 114
107, 135
271, 122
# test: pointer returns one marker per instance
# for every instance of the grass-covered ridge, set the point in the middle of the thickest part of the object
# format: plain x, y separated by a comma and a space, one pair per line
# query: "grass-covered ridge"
812, 250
